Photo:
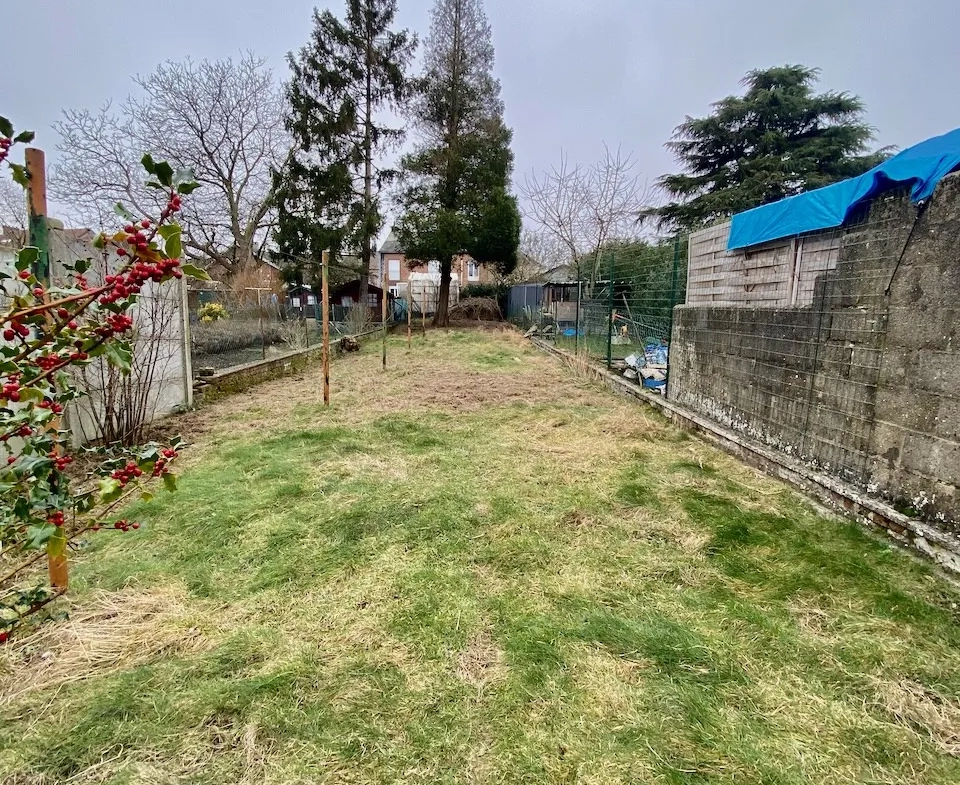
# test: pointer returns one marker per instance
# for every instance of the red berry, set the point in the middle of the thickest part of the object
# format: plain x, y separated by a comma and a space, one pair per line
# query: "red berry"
135, 525
145, 223
121, 252
129, 228
9, 335
25, 274
72, 325
38, 291
63, 313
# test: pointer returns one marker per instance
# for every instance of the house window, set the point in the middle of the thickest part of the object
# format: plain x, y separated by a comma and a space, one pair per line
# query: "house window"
433, 267
346, 301
295, 301
311, 300
371, 299
394, 269
473, 271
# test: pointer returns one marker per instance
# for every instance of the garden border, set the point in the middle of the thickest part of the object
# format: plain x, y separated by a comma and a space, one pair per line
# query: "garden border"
238, 378
838, 496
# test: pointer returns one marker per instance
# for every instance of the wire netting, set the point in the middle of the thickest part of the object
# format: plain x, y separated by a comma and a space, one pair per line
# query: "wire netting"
618, 309
787, 340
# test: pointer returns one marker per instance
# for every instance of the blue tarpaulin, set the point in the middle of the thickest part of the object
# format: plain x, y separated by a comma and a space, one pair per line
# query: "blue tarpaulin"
922, 166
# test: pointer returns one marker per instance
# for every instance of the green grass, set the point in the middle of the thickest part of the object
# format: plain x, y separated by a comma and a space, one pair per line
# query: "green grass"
477, 568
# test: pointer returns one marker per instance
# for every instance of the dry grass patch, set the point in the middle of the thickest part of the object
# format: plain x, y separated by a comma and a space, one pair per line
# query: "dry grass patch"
109, 632
481, 661
923, 710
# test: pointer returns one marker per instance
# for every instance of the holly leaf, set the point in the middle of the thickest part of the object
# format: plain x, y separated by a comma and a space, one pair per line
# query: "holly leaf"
148, 164
170, 481
195, 272
24, 137
146, 496
38, 535
187, 188
122, 211
19, 172
27, 257
119, 355
184, 176
110, 490
172, 246
164, 173
6, 127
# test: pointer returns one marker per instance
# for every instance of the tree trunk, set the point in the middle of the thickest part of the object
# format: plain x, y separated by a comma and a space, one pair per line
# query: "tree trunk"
442, 317
367, 253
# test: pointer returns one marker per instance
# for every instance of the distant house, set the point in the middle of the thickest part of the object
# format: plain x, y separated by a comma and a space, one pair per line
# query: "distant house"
347, 296
302, 299
393, 262
258, 274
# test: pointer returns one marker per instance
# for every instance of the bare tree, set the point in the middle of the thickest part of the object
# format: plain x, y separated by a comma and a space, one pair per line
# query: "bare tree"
583, 208
13, 211
222, 119
540, 253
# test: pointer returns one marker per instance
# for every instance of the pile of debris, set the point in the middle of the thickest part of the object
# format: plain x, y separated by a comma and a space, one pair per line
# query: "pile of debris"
649, 368
477, 309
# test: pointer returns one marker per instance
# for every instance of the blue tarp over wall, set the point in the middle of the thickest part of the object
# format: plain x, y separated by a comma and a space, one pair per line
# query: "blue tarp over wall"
922, 165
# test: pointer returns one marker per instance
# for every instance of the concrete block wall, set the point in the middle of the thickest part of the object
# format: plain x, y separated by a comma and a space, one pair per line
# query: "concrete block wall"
863, 381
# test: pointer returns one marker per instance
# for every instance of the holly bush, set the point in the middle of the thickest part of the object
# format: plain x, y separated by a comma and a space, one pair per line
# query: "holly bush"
48, 331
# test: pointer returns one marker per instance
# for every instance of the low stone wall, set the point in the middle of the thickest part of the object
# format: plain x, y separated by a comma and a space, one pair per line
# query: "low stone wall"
242, 377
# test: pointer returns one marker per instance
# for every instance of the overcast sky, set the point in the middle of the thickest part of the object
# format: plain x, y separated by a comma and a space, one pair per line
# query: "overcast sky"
575, 73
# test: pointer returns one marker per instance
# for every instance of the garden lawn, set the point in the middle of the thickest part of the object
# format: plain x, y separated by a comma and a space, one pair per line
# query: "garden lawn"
479, 568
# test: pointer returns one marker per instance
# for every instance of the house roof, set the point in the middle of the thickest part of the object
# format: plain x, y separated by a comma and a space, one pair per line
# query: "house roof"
391, 244
350, 286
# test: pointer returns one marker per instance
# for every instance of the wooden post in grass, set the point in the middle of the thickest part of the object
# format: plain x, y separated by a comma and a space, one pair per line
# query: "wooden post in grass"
325, 327
383, 310
423, 310
409, 316
39, 238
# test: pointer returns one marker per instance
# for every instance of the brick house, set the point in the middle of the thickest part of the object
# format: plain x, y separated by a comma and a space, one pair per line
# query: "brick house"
393, 261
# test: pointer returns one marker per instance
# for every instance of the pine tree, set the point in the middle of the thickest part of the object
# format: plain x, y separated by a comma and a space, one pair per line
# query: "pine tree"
456, 198
778, 139
343, 79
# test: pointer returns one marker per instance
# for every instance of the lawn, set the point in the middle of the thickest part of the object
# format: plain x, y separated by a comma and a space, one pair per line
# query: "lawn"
479, 568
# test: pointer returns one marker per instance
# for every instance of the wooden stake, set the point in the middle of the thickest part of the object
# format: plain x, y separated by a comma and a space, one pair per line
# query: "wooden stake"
325, 329
409, 316
383, 309
37, 211
423, 310
39, 238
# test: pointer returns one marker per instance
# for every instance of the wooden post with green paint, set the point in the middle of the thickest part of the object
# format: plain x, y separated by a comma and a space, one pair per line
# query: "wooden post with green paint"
39, 237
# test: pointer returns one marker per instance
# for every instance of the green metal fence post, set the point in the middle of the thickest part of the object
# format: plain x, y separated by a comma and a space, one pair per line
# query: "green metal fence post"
610, 314
576, 326
673, 282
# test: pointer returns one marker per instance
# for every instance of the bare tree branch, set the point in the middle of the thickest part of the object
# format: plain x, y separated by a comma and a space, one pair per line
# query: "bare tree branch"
221, 118
583, 208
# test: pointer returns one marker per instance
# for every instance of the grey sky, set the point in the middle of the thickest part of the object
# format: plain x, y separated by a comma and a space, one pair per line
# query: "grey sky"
575, 73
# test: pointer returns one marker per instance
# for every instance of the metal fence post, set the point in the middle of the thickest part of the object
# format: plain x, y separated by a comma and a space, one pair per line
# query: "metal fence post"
610, 313
576, 327
673, 282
